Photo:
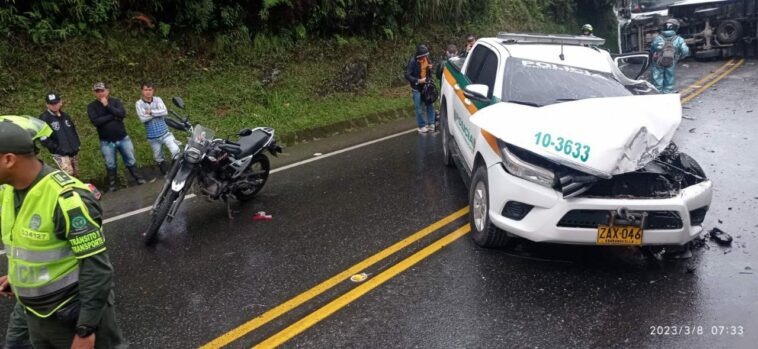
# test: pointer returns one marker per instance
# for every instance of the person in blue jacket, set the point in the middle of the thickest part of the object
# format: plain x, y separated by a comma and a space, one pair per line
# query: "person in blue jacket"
667, 49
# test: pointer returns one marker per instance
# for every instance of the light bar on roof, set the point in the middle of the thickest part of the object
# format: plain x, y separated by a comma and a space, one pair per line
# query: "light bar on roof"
550, 39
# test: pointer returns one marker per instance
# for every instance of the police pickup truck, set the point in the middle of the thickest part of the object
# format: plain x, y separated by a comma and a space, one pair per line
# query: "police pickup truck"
558, 145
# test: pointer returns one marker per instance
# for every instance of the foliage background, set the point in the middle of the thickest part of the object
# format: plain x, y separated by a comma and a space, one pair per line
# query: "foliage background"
245, 63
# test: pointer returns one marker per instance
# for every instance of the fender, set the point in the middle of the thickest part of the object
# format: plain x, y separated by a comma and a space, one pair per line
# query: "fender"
180, 180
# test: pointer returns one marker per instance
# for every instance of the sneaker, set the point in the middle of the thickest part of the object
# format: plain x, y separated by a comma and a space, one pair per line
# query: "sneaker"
431, 128
423, 129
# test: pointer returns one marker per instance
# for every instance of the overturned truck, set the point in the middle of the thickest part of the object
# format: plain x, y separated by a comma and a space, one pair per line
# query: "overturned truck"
711, 28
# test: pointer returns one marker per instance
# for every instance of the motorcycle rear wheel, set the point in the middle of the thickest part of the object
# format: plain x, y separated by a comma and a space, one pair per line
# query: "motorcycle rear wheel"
258, 170
160, 215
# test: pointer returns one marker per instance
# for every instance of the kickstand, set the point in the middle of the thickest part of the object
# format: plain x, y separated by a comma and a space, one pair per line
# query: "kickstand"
229, 211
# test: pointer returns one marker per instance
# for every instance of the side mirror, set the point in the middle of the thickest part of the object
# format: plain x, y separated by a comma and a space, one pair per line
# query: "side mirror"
477, 92
178, 101
457, 62
171, 122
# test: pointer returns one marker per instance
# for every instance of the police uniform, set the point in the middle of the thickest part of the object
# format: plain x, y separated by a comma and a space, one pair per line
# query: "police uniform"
58, 267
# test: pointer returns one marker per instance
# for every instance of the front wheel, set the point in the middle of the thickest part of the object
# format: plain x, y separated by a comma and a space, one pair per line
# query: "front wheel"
252, 180
485, 234
159, 216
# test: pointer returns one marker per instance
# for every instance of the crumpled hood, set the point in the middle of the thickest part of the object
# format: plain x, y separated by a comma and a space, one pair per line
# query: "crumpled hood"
617, 134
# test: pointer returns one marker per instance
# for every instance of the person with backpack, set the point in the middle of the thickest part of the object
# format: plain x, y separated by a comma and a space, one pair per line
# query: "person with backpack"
418, 72
667, 49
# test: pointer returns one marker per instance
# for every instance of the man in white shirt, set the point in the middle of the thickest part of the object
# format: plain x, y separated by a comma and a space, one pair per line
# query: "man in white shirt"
151, 111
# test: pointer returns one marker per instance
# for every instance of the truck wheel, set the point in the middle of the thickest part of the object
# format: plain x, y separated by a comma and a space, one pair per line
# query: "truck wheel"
729, 31
484, 233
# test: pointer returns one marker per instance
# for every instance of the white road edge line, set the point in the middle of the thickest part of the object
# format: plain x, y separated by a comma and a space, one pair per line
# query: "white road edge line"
299, 163
283, 168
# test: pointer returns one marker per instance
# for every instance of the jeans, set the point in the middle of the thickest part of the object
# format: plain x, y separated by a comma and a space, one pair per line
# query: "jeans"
124, 146
420, 105
157, 145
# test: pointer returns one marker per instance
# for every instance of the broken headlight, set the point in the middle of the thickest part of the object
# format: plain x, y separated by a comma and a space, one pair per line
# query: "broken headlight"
526, 170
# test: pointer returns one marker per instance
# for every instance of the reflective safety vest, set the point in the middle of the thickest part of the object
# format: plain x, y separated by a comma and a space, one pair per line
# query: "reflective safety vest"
39, 263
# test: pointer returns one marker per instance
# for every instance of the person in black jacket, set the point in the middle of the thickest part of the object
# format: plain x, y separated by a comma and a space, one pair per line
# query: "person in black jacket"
418, 72
107, 114
64, 142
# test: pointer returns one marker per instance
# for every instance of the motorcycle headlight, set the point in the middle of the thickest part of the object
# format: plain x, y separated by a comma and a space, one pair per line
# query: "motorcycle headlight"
193, 155
525, 170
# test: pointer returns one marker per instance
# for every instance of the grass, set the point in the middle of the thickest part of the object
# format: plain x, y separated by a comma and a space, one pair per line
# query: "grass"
223, 90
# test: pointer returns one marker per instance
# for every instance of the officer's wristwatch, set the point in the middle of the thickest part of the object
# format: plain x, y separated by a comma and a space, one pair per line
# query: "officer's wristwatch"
84, 331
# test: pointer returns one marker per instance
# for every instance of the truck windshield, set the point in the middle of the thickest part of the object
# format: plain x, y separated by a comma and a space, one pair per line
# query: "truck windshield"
538, 83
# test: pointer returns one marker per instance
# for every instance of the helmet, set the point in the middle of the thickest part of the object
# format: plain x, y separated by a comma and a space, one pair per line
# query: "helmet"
671, 24
38, 129
587, 28
421, 50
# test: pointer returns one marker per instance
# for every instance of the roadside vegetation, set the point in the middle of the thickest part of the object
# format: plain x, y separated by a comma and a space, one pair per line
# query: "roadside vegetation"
287, 64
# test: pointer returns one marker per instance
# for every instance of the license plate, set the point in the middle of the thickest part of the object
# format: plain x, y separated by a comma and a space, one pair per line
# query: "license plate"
619, 235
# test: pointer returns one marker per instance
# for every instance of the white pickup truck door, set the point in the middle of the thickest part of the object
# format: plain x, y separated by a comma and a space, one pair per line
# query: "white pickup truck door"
482, 67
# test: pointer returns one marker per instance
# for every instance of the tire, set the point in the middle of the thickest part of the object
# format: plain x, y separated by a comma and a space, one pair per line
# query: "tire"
259, 168
160, 215
447, 155
729, 31
484, 233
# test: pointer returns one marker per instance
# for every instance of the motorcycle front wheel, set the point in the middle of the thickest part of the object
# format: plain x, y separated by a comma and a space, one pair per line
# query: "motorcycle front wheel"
159, 216
255, 177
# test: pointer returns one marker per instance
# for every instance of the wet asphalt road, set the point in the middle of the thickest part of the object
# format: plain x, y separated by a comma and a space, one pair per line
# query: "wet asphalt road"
209, 275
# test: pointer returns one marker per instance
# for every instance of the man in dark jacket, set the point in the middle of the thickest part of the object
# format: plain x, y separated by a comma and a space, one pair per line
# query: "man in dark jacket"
418, 72
107, 114
64, 142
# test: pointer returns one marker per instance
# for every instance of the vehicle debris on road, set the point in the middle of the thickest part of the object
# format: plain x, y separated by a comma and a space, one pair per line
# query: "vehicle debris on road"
262, 216
721, 237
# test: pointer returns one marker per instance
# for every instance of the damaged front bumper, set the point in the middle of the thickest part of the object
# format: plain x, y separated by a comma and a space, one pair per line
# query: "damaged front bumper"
542, 214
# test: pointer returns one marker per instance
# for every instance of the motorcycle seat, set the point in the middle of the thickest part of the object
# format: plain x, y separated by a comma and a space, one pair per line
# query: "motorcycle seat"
252, 143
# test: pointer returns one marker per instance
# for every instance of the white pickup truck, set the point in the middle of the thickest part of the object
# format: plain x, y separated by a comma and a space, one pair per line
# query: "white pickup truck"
558, 145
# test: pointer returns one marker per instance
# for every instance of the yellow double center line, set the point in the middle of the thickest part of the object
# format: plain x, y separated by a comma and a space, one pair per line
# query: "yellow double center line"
708, 77
347, 298
331, 282
715, 77
313, 318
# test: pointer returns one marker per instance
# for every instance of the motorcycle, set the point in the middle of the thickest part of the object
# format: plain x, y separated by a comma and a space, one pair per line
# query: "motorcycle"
218, 169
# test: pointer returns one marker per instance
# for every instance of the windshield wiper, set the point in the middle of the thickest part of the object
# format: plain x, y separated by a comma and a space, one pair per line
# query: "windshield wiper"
532, 104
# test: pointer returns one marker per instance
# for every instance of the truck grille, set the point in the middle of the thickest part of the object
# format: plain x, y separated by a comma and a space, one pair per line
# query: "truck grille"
656, 220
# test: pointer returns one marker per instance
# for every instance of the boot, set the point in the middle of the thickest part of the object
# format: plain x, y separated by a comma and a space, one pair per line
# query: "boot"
112, 178
163, 167
136, 176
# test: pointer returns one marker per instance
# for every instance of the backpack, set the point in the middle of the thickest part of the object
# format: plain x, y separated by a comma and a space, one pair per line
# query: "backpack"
429, 92
668, 53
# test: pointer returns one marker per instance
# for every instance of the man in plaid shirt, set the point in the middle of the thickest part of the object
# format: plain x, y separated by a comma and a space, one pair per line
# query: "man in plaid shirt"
151, 112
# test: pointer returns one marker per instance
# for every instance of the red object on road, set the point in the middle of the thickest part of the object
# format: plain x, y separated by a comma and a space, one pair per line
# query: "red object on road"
262, 216
94, 190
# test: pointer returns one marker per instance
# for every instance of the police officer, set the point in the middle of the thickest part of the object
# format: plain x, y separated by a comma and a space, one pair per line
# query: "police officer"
58, 267
587, 30
667, 49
